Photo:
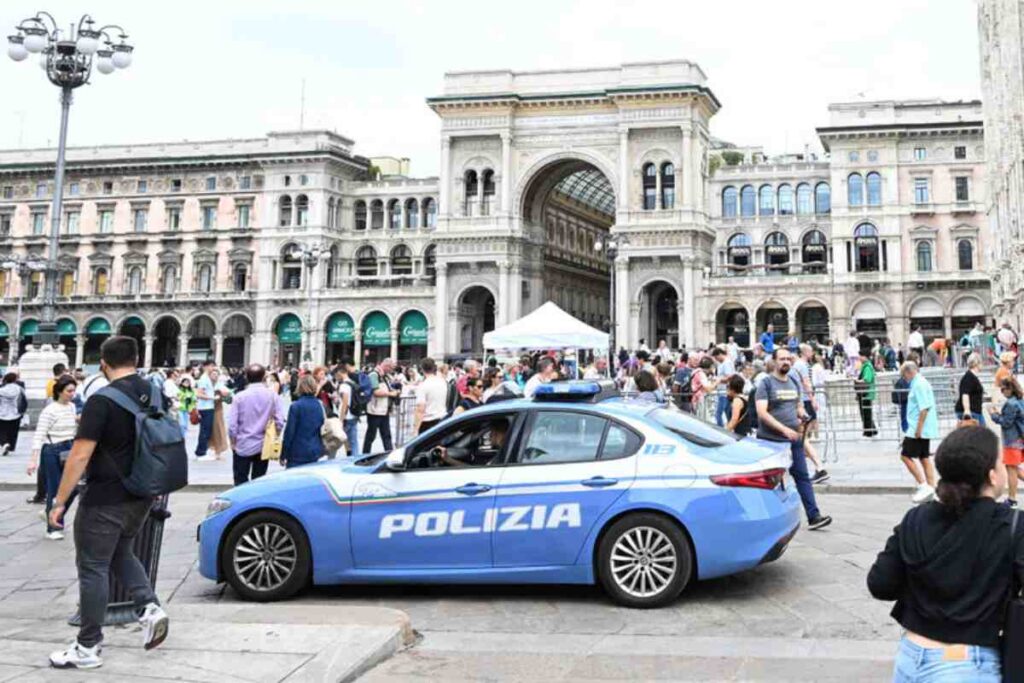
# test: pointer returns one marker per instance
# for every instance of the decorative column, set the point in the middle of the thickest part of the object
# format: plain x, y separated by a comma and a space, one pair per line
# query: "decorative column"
147, 356
506, 173
688, 170
686, 325
218, 349
444, 200
504, 295
623, 336
515, 292
623, 169
440, 310
182, 359
394, 343
357, 338
80, 340
250, 342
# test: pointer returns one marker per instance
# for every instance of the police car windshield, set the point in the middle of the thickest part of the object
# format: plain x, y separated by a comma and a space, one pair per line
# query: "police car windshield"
693, 430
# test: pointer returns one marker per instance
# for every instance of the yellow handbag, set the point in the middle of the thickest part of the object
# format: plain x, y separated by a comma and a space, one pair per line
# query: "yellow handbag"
271, 444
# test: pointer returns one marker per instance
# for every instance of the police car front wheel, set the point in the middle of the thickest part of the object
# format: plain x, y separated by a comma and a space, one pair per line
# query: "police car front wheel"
266, 557
644, 560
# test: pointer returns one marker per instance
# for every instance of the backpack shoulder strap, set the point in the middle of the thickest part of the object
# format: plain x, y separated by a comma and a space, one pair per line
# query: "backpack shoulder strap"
122, 399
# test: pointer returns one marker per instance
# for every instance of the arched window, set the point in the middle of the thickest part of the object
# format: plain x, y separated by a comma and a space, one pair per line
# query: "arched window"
487, 177
430, 261
739, 251
169, 280
748, 201
865, 237
135, 280
668, 185
766, 203
776, 252
965, 254
401, 260
729, 197
803, 199
100, 282
650, 177
240, 278
360, 215
366, 262
874, 183
924, 256
204, 281
394, 214
291, 268
815, 253
284, 211
472, 186
429, 213
822, 198
376, 214
786, 200
412, 213
302, 210
855, 189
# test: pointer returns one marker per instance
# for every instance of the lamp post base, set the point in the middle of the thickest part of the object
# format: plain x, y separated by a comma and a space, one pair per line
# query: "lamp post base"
46, 333
36, 368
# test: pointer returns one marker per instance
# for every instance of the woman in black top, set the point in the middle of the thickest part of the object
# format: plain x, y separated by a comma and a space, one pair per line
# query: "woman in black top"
739, 406
948, 566
971, 394
473, 396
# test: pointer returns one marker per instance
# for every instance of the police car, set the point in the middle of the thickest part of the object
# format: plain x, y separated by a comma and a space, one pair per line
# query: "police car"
574, 486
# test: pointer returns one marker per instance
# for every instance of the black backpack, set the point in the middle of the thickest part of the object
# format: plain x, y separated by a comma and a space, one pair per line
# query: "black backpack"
160, 461
356, 404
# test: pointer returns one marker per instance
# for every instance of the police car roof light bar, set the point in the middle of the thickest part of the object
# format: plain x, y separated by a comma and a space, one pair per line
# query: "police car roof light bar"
580, 391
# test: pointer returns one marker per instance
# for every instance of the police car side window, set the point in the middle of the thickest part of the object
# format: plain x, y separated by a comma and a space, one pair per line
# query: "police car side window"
619, 442
562, 437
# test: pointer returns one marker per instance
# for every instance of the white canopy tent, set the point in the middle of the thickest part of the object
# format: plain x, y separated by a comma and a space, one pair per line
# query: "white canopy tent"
548, 327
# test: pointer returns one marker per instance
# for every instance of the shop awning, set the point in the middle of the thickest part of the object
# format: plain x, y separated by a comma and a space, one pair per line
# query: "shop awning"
968, 307
412, 330
97, 326
5, 331
28, 328
289, 329
340, 328
134, 320
66, 326
868, 310
926, 308
376, 330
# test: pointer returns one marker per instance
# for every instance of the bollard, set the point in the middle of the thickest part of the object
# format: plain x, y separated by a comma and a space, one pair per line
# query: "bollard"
120, 608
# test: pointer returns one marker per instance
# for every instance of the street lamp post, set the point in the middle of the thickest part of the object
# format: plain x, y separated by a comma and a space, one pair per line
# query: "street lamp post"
310, 255
67, 58
610, 246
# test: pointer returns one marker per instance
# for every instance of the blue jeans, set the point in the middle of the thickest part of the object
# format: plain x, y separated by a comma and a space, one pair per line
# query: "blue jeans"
53, 469
352, 432
798, 470
205, 430
722, 411
916, 664
184, 422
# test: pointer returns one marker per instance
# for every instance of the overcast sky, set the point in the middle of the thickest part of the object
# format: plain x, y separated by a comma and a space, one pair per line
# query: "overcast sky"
215, 69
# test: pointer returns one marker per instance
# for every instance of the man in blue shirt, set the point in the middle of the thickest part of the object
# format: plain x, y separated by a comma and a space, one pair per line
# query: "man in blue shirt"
922, 427
768, 339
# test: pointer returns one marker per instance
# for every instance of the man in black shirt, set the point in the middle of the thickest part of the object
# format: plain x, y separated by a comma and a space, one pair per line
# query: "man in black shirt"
109, 517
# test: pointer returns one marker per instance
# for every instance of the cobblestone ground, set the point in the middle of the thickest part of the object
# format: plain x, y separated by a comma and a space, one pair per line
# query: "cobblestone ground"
806, 617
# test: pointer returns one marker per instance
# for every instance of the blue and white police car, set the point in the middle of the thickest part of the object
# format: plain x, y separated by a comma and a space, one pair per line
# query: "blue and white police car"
574, 486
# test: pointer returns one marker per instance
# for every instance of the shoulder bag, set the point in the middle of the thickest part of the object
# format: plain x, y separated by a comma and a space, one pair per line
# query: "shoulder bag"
1012, 644
332, 432
271, 444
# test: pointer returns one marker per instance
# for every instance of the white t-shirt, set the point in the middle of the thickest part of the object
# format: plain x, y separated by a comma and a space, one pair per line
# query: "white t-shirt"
93, 384
432, 394
171, 393
532, 384
345, 396
915, 340
851, 347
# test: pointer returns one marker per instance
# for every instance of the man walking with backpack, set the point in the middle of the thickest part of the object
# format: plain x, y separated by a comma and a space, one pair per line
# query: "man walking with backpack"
353, 403
377, 417
112, 509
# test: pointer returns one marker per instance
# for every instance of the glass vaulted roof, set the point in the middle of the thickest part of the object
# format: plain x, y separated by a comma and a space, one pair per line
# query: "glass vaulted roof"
589, 187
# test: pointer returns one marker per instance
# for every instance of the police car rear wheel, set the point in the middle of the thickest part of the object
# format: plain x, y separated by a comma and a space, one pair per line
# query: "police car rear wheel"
266, 557
644, 561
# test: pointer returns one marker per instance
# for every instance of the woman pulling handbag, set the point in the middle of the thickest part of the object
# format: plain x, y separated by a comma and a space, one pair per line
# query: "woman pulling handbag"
950, 566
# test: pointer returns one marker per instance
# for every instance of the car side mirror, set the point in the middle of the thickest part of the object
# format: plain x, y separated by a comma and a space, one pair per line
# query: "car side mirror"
396, 460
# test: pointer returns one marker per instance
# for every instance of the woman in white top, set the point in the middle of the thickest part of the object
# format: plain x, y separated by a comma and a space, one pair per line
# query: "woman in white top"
55, 431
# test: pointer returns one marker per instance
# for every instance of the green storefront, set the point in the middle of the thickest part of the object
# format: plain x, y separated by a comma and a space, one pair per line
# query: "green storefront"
67, 331
96, 332
289, 339
376, 337
5, 345
341, 338
412, 336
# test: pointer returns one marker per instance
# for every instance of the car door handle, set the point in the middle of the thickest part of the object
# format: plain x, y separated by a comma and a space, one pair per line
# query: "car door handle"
473, 489
599, 482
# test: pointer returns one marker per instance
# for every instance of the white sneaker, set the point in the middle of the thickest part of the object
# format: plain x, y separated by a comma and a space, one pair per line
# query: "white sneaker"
77, 657
55, 535
923, 493
155, 624
205, 458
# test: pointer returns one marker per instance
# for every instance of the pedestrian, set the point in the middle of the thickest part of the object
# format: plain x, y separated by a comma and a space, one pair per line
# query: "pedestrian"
206, 392
866, 391
780, 414
949, 566
473, 396
251, 412
59, 370
545, 373
378, 420
740, 422
915, 342
301, 444
725, 367
51, 443
491, 382
187, 402
12, 409
802, 373
647, 388
767, 339
922, 427
970, 393
109, 517
1011, 419
702, 383
431, 397
347, 390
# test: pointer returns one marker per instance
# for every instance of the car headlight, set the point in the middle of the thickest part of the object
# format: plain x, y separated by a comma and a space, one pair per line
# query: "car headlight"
217, 505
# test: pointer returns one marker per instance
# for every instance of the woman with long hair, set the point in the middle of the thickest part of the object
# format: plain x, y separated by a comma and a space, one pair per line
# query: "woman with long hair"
10, 412
51, 445
1011, 420
949, 564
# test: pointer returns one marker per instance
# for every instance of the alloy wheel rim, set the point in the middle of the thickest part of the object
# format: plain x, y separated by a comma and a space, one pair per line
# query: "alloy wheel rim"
643, 562
265, 557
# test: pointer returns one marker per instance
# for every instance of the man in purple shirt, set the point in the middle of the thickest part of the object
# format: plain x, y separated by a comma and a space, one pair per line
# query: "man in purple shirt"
251, 412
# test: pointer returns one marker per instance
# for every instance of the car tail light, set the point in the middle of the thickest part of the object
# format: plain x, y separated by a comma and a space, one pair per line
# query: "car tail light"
765, 479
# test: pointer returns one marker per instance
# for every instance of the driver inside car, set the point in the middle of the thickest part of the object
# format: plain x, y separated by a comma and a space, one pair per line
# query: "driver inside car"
474, 455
